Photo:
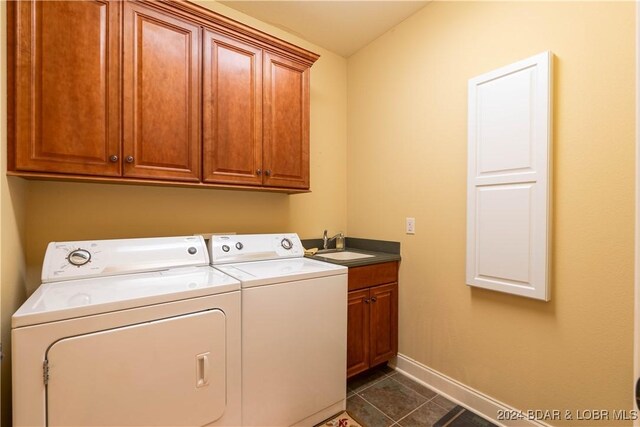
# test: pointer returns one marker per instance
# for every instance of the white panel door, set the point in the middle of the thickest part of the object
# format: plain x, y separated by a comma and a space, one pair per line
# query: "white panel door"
166, 372
508, 181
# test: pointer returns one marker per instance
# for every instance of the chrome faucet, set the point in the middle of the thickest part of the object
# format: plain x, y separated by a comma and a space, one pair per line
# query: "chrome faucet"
326, 239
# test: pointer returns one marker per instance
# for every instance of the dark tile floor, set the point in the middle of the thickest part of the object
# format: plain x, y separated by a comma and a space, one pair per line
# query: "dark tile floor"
382, 397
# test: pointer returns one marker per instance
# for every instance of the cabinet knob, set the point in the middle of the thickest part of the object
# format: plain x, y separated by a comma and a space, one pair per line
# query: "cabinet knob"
374, 299
259, 172
366, 301
113, 158
267, 172
129, 159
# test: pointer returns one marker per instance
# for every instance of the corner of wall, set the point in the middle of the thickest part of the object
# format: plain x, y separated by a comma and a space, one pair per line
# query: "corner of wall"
12, 238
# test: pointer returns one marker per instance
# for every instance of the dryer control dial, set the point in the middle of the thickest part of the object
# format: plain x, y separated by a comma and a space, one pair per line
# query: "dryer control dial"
286, 243
79, 257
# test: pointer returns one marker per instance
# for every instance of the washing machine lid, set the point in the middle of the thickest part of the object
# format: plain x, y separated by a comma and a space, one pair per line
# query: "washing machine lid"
77, 298
260, 273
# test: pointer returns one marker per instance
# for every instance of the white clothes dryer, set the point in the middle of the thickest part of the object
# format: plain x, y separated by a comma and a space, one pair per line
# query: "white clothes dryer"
133, 332
294, 329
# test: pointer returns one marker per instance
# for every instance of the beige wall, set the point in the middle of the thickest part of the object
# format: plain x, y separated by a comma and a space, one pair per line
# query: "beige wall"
36, 212
407, 157
12, 233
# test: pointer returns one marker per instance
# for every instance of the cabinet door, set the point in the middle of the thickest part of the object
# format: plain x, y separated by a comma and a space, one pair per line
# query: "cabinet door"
161, 95
66, 110
383, 323
232, 111
286, 123
357, 332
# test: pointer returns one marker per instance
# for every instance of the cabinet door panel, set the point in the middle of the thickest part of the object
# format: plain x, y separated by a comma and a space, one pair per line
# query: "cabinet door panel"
232, 111
383, 323
162, 95
357, 332
67, 87
286, 123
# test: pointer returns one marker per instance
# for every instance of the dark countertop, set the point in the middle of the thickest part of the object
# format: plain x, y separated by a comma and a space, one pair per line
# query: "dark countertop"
381, 251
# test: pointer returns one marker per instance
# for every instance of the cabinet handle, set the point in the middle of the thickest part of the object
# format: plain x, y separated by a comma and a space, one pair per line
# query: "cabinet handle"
366, 301
374, 299
129, 159
113, 158
259, 172
267, 172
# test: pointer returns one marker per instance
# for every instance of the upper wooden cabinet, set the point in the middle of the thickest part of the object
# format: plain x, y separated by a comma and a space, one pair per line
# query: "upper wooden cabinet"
154, 92
161, 80
232, 119
286, 122
64, 87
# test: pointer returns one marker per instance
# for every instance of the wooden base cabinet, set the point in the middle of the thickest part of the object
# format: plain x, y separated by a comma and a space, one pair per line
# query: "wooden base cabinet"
372, 323
154, 91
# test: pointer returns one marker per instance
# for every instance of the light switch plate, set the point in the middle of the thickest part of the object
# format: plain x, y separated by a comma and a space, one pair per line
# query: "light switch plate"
411, 226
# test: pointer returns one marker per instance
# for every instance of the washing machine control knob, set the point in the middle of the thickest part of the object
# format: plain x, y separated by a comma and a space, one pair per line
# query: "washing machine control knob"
225, 248
286, 243
239, 246
79, 257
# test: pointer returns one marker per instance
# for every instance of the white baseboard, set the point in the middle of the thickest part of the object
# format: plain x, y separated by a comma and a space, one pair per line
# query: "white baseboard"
462, 394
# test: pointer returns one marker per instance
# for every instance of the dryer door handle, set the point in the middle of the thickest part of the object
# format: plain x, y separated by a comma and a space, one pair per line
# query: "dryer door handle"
202, 370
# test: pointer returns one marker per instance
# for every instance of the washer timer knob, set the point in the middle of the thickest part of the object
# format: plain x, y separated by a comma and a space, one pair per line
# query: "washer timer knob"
79, 257
286, 243
239, 246
225, 248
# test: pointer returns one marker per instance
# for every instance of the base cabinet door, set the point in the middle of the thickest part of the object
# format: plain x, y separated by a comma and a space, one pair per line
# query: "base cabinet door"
286, 123
383, 323
161, 95
66, 111
357, 332
372, 326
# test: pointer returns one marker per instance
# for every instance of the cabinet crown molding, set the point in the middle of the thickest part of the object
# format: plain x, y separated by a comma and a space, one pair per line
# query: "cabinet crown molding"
238, 29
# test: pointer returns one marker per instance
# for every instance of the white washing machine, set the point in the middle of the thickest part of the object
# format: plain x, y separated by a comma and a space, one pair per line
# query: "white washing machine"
294, 329
134, 332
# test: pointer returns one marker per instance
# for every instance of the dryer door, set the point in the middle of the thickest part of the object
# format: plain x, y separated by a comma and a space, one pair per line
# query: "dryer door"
165, 372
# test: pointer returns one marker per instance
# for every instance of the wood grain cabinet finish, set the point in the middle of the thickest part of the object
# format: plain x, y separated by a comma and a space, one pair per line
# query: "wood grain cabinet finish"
286, 122
357, 332
383, 323
161, 95
232, 110
372, 322
154, 91
64, 99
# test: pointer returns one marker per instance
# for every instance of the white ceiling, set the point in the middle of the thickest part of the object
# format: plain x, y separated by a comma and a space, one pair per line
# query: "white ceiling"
342, 27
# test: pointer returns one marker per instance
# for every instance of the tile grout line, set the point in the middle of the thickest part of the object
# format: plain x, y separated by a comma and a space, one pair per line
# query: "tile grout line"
387, 376
398, 422
436, 403
381, 411
376, 381
429, 399
390, 375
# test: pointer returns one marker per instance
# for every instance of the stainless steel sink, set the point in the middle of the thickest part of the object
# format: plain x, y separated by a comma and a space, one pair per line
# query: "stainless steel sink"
344, 255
